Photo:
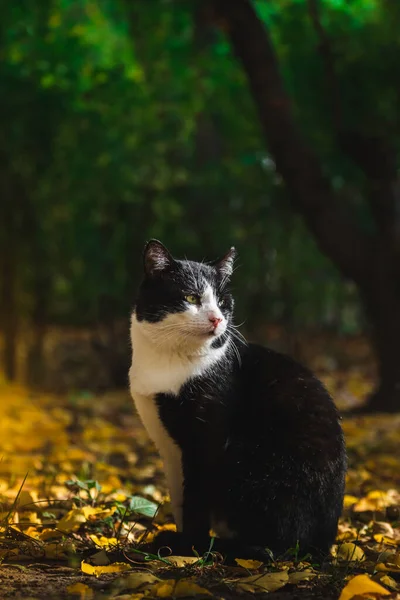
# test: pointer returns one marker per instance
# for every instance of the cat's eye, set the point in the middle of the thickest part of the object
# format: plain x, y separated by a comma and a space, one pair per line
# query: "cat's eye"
192, 299
221, 302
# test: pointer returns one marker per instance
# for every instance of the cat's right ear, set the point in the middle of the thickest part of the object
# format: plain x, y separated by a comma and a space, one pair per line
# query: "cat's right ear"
156, 258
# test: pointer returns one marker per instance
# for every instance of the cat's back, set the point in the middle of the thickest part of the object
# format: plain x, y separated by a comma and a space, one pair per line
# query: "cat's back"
287, 402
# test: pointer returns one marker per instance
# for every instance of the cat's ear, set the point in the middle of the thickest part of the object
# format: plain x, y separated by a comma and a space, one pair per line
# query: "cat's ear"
156, 258
225, 264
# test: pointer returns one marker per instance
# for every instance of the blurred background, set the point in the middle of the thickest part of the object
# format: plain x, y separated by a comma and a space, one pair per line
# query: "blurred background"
271, 125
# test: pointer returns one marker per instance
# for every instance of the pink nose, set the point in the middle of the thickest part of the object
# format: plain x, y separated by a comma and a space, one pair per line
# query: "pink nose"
215, 321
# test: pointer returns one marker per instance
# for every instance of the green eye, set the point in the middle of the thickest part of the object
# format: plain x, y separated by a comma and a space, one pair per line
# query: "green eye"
192, 299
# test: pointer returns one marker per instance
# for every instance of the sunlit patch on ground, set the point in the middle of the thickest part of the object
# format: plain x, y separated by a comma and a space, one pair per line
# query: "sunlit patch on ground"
80, 484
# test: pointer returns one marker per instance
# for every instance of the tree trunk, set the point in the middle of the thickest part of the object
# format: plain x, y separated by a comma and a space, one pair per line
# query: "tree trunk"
9, 318
370, 261
381, 301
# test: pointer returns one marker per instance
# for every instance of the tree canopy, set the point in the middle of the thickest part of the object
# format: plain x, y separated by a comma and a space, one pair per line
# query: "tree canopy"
122, 121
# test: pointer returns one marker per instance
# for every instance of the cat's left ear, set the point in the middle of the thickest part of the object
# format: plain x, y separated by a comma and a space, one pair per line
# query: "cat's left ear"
156, 258
225, 264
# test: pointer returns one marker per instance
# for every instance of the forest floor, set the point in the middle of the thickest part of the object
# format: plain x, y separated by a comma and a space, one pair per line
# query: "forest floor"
80, 485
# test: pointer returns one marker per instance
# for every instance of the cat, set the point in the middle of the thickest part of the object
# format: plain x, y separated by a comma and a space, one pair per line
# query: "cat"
250, 439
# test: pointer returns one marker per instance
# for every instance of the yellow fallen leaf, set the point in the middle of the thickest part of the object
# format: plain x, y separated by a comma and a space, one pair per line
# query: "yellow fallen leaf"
350, 552
50, 534
80, 589
92, 512
104, 542
27, 498
384, 539
389, 562
375, 500
362, 584
32, 532
113, 568
72, 520
248, 564
268, 582
164, 589
298, 576
347, 535
349, 501
178, 589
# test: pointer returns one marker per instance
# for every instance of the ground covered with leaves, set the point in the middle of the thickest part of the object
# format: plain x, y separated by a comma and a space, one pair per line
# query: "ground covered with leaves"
81, 485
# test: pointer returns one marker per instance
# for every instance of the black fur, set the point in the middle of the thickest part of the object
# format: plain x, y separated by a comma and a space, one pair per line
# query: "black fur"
261, 442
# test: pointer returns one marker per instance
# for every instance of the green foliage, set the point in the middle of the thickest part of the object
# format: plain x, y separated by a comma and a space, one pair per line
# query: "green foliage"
122, 121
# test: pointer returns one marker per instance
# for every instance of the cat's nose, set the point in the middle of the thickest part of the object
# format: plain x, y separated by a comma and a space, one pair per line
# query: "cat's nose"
215, 321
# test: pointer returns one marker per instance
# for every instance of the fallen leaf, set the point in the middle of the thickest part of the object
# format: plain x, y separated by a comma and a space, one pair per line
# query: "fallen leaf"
350, 552
384, 539
298, 576
134, 581
374, 500
72, 520
113, 568
349, 501
386, 580
82, 590
178, 589
362, 584
104, 542
268, 582
248, 564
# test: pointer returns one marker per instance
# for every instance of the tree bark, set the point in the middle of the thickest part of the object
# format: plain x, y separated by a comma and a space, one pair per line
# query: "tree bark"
8, 281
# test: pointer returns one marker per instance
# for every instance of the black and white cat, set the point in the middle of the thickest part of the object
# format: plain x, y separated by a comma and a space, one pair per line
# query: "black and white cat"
250, 439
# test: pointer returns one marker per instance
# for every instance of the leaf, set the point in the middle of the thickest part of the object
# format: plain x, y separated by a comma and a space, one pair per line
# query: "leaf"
298, 576
362, 584
134, 581
384, 539
178, 589
143, 506
103, 542
374, 500
27, 498
268, 582
113, 568
82, 590
72, 520
349, 501
350, 552
386, 580
247, 564
390, 562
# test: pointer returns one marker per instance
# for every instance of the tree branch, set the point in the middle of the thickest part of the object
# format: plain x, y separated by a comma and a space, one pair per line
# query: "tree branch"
310, 189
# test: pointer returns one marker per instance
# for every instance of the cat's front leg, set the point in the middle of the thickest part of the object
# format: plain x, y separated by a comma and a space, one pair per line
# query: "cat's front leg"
196, 506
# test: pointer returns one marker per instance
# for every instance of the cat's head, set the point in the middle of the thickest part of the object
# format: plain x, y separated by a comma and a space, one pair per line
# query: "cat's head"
181, 303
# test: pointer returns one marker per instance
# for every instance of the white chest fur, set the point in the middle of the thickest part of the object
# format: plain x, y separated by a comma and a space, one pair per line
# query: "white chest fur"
158, 369
161, 369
